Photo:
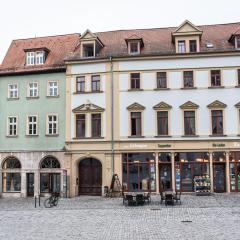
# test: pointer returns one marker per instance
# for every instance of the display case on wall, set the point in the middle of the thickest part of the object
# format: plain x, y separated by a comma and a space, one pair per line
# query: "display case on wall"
202, 185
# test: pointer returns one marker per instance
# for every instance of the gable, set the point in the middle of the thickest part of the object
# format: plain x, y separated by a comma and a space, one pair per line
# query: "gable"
217, 104
186, 27
189, 105
162, 106
135, 106
89, 107
88, 35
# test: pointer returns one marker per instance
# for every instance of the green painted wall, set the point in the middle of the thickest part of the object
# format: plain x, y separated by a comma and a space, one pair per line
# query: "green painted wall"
40, 106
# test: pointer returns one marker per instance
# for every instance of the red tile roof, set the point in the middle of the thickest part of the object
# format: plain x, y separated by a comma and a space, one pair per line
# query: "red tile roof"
158, 41
59, 47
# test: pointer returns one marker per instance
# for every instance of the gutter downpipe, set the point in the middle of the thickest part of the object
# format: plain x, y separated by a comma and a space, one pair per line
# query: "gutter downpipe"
112, 115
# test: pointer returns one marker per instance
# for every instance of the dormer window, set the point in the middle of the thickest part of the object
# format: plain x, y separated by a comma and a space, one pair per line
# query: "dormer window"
192, 46
134, 47
88, 50
35, 58
237, 39
181, 47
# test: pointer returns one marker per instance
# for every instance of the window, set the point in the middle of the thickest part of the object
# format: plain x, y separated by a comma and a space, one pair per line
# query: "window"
135, 80
134, 48
52, 124
238, 73
238, 42
136, 124
181, 47
11, 180
32, 125
139, 172
193, 46
53, 89
88, 50
217, 122
30, 58
40, 57
80, 84
33, 90
50, 162
96, 83
162, 122
189, 123
215, 78
12, 126
161, 80
188, 79
13, 91
96, 125
80, 125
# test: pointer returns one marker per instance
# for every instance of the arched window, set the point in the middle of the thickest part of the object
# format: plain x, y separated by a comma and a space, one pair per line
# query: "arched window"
50, 162
11, 175
11, 163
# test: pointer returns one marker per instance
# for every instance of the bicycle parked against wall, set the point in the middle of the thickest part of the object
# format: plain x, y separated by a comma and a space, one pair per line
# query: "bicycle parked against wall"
52, 200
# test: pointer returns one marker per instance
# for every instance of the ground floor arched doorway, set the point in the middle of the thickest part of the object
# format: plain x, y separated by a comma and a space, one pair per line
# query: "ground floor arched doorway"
90, 177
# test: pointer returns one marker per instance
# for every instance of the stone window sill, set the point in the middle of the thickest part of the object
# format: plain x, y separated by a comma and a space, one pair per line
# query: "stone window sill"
188, 88
27, 135
9, 136
136, 136
29, 98
12, 99
160, 89
48, 96
135, 89
51, 135
218, 135
215, 87
163, 136
88, 92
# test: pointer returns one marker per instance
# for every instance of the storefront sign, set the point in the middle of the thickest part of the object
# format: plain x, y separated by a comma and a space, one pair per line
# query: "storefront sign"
218, 144
136, 145
164, 145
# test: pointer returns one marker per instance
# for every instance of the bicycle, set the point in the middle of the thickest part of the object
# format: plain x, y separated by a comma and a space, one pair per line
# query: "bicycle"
52, 200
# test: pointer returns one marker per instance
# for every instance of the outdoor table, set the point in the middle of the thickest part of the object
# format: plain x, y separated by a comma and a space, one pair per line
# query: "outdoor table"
169, 197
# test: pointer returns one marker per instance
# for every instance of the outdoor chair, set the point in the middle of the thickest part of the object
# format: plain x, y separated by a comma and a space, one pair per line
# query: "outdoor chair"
124, 198
169, 199
177, 197
140, 199
147, 197
130, 201
162, 197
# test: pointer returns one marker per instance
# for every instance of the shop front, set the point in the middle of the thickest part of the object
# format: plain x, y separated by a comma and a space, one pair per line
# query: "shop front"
234, 165
139, 172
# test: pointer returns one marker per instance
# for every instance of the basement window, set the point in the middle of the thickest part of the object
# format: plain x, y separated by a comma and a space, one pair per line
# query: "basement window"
88, 50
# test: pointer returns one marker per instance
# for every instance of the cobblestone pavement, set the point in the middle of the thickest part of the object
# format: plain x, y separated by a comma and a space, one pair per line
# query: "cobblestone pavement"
212, 217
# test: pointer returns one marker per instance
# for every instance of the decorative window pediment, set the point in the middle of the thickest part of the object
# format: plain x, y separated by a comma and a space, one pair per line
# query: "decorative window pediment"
134, 43
187, 27
237, 105
88, 107
189, 105
162, 106
135, 106
217, 104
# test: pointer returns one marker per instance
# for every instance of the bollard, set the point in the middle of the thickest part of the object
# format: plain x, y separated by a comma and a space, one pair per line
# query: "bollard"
35, 201
39, 201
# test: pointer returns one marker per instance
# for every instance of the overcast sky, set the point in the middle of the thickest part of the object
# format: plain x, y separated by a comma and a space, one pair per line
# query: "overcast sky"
29, 18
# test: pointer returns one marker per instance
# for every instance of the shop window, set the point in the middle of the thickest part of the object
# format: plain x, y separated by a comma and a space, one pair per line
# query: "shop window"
50, 182
96, 83
136, 118
161, 80
11, 176
135, 81
217, 122
80, 125
219, 156
164, 157
215, 78
193, 46
139, 172
188, 79
181, 47
96, 125
80, 84
234, 166
162, 123
189, 123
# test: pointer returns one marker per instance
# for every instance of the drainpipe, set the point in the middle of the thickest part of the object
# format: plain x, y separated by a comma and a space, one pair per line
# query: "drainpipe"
112, 114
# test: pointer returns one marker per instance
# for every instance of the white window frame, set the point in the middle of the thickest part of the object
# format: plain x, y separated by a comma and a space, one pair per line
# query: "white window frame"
30, 58
12, 91
34, 88
94, 49
51, 122
11, 125
129, 47
180, 47
54, 87
28, 125
39, 57
237, 38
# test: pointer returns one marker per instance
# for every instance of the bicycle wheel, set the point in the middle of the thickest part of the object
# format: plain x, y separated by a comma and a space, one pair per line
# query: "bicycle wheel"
48, 203
55, 201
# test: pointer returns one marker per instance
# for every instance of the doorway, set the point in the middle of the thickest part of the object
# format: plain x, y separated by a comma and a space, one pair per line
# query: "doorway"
90, 177
30, 184
165, 173
219, 177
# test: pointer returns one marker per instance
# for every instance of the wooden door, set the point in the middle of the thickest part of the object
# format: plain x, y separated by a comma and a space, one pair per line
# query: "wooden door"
90, 177
219, 177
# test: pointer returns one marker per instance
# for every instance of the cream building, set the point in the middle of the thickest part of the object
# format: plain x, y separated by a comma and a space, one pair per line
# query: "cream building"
158, 107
